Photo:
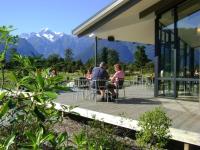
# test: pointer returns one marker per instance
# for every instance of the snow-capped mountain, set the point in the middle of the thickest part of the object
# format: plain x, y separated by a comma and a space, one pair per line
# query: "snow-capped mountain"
49, 35
44, 33
47, 42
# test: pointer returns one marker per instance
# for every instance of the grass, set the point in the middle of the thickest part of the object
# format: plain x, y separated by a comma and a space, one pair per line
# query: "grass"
70, 76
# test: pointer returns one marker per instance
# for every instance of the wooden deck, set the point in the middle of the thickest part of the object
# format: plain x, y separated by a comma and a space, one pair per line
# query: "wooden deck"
139, 99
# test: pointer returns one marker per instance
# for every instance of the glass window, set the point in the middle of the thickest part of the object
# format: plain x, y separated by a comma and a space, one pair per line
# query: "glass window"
188, 25
180, 51
166, 37
188, 90
166, 88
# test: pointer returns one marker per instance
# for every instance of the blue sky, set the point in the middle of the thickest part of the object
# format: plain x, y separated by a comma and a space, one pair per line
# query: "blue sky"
58, 15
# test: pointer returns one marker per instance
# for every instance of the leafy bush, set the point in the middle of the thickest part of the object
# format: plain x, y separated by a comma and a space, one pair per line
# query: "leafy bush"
154, 133
25, 120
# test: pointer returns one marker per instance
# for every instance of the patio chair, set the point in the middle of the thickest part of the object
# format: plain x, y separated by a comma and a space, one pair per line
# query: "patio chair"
80, 87
96, 86
149, 81
120, 86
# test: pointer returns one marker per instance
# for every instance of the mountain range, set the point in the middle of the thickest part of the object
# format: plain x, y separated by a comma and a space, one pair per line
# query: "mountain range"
47, 42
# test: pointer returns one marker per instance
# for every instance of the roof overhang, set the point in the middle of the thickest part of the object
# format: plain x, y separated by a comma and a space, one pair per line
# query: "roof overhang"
122, 19
98, 16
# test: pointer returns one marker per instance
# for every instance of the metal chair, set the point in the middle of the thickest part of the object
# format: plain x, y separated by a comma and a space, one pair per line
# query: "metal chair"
120, 86
96, 86
80, 87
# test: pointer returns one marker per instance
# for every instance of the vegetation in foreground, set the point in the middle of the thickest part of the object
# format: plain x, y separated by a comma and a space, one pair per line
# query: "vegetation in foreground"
25, 119
154, 133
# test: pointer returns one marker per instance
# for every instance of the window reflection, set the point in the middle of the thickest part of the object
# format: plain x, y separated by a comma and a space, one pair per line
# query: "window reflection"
179, 66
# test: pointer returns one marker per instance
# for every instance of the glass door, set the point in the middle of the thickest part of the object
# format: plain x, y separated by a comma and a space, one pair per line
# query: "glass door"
167, 54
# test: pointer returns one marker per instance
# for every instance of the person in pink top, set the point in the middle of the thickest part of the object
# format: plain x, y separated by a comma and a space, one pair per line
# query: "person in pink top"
119, 75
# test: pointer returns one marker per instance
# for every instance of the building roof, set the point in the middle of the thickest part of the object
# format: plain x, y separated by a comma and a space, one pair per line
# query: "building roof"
126, 20
99, 15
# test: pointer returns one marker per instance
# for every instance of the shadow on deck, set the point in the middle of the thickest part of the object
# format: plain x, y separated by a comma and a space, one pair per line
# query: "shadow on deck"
138, 101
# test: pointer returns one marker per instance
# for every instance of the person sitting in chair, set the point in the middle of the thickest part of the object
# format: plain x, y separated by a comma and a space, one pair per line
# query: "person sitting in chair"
100, 73
115, 79
89, 74
53, 72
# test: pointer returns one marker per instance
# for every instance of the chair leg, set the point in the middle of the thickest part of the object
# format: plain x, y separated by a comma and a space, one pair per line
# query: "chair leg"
77, 95
107, 96
117, 93
73, 96
86, 95
83, 94
90, 94
89, 97
95, 97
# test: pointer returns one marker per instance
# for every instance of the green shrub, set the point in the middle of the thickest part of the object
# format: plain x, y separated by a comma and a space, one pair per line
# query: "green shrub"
154, 133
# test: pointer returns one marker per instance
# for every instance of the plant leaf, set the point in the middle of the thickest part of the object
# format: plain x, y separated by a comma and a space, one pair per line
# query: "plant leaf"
31, 136
4, 109
2, 95
39, 136
39, 114
40, 80
62, 137
51, 95
9, 142
13, 77
48, 137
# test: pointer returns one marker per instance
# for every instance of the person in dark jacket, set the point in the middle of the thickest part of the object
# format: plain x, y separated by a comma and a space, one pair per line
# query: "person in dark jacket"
100, 73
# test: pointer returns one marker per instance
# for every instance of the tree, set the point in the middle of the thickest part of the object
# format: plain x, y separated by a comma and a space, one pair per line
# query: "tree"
104, 55
90, 62
38, 61
53, 59
109, 56
113, 57
79, 64
140, 57
10, 64
68, 55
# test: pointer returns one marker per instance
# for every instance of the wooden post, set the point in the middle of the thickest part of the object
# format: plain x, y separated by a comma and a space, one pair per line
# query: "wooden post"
186, 146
